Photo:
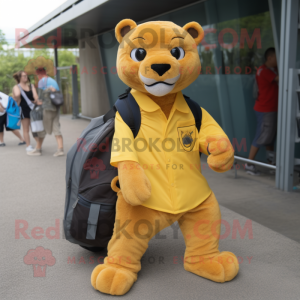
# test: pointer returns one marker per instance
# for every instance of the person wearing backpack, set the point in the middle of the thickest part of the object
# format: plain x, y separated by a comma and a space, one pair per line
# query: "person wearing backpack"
26, 96
3, 118
46, 85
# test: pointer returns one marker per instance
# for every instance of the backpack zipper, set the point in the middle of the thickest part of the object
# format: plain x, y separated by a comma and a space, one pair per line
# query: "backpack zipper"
75, 203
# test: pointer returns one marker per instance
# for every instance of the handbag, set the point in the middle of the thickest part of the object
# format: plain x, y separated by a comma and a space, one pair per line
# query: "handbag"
36, 119
57, 98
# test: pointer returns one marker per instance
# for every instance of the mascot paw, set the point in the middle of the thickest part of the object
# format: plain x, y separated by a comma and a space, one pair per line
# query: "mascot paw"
111, 280
221, 153
135, 185
220, 268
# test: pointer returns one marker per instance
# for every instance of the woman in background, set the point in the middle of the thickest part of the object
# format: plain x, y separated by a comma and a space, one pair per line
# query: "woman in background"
23, 82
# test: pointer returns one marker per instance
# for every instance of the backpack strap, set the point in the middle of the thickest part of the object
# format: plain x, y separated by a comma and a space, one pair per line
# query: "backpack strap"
196, 110
110, 114
130, 112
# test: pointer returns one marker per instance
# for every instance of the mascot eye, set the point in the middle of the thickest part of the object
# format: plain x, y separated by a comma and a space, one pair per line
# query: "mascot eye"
138, 54
178, 53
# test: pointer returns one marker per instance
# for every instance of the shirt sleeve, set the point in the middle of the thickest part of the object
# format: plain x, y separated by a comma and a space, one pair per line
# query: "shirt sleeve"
209, 127
55, 84
50, 82
268, 75
122, 147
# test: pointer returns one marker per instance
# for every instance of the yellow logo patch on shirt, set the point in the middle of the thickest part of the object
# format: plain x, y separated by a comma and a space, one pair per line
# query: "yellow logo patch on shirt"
187, 137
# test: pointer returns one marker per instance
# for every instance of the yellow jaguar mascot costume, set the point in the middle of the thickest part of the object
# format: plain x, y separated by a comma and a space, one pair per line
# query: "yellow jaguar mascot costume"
159, 171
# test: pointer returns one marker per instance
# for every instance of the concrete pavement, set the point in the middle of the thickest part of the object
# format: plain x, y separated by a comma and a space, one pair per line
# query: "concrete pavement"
32, 192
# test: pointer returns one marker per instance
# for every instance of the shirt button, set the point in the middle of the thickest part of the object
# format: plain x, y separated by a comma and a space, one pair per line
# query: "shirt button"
169, 160
172, 184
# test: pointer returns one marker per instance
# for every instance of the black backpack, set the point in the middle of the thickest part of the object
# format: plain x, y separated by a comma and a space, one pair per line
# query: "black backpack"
90, 204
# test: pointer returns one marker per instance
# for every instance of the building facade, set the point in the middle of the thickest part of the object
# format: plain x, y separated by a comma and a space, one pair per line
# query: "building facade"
237, 33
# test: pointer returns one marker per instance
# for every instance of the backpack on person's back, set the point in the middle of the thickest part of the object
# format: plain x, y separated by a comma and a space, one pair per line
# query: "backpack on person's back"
13, 112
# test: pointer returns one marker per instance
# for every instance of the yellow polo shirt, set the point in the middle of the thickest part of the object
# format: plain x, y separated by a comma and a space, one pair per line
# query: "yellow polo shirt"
168, 150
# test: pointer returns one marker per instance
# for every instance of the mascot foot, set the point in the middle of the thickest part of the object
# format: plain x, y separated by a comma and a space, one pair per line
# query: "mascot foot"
220, 268
112, 280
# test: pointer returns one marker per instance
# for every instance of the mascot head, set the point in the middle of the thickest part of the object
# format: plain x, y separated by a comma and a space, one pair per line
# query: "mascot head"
158, 58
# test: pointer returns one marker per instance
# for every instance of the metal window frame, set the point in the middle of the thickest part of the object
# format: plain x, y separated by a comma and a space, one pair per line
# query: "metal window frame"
75, 101
274, 29
287, 60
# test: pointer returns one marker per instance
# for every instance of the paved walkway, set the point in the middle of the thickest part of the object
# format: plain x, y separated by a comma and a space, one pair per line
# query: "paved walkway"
32, 193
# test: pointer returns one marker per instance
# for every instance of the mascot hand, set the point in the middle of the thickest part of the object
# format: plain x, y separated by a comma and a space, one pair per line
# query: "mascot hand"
221, 153
135, 185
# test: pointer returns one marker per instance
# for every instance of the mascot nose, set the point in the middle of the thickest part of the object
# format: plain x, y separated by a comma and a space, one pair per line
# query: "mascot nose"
160, 69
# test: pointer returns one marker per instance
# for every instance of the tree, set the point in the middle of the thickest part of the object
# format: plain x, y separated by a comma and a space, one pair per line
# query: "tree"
2, 40
10, 62
67, 58
13, 60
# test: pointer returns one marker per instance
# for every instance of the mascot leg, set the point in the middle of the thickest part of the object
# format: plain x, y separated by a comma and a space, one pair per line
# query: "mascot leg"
134, 227
201, 229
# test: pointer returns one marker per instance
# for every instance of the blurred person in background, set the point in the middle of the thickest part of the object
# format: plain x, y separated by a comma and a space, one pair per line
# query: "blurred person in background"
50, 117
4, 98
266, 107
23, 83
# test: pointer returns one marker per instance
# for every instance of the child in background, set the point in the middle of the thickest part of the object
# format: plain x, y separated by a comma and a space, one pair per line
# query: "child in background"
3, 105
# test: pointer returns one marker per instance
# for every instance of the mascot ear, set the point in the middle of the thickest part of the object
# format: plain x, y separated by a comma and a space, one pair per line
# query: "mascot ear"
195, 30
123, 28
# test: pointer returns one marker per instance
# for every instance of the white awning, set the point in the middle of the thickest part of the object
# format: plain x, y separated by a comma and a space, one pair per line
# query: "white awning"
74, 20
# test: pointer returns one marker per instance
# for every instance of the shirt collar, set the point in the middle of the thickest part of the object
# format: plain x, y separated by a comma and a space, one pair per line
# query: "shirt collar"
180, 103
144, 102
147, 104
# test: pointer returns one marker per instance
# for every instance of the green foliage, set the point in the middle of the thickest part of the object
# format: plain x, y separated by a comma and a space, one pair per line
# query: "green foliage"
13, 60
2, 40
10, 62
64, 60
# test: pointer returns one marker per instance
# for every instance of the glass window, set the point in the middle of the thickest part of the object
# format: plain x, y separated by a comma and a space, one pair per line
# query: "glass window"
109, 48
237, 33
